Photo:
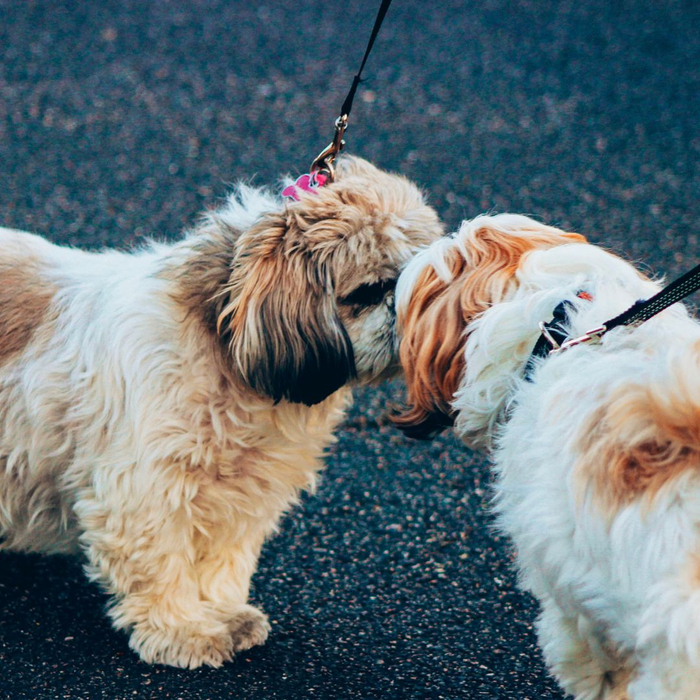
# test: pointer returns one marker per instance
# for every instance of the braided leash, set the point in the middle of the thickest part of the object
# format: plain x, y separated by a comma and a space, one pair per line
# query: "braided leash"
672, 293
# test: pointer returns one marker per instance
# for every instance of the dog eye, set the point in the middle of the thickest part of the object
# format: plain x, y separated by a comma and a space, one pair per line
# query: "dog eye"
369, 294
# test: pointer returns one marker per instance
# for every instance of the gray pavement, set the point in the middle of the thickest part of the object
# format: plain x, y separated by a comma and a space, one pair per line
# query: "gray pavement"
121, 120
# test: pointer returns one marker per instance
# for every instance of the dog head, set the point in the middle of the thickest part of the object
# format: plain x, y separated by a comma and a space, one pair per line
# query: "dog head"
442, 291
310, 299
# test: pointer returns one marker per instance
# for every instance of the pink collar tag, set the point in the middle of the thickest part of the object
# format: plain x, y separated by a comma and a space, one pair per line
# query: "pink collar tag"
307, 183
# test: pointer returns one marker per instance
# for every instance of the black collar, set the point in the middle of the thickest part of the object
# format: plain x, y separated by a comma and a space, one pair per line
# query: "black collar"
554, 333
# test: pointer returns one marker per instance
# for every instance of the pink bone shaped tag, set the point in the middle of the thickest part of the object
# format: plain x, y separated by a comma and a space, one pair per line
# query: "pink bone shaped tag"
307, 183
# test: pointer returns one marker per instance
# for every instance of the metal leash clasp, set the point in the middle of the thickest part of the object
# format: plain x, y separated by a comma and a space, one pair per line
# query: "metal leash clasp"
593, 335
550, 338
324, 160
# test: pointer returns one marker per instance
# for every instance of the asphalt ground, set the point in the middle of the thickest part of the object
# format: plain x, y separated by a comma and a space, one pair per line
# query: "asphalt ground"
121, 120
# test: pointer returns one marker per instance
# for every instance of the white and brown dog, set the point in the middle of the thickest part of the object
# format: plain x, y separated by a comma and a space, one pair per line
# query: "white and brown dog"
163, 409
597, 455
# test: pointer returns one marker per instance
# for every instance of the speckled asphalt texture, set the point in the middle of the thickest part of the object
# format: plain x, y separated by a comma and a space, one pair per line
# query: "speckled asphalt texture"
122, 119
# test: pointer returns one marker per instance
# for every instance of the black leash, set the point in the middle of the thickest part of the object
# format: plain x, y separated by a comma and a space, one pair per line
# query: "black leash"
347, 104
644, 310
324, 160
554, 338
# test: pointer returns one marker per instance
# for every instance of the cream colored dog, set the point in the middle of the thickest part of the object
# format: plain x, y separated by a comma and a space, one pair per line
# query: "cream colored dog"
162, 409
597, 455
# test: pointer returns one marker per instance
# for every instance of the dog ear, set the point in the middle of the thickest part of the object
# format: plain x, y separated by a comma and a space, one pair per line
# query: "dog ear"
285, 336
431, 355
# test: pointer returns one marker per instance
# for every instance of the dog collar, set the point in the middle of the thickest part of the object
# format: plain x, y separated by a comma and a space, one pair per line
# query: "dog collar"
553, 336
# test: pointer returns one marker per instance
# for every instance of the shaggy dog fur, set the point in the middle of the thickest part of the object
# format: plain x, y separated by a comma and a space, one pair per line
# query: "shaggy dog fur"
162, 409
597, 459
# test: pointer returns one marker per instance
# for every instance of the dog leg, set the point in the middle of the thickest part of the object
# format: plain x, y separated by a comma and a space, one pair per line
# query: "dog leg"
142, 546
574, 656
224, 574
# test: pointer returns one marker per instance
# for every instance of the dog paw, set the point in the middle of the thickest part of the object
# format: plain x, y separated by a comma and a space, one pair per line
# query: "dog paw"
192, 647
249, 627
182, 648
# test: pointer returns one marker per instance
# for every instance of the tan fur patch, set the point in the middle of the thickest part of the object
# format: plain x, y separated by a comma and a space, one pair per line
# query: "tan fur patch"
438, 314
203, 270
640, 441
24, 299
619, 683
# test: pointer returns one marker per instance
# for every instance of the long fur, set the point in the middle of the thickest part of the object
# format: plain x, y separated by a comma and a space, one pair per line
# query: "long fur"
162, 409
597, 459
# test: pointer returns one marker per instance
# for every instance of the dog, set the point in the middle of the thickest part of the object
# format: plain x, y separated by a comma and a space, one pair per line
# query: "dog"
161, 409
596, 449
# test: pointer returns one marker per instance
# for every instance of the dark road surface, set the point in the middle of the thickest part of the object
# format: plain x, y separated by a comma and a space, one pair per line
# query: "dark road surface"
121, 120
